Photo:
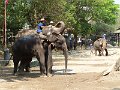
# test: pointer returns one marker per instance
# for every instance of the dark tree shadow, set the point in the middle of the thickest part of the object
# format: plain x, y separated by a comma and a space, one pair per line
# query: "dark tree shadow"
6, 74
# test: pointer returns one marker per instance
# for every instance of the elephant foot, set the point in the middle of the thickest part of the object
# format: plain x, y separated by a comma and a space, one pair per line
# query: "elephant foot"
65, 71
107, 54
21, 73
49, 75
28, 70
99, 55
43, 75
15, 74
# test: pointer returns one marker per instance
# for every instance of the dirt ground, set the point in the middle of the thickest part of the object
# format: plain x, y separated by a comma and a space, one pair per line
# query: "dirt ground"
84, 73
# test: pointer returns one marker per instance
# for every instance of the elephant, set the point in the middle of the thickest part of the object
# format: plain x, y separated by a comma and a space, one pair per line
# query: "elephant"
27, 47
100, 45
53, 37
57, 40
59, 44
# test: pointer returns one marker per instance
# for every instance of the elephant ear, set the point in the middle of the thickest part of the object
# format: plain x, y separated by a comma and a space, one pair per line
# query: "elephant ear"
59, 28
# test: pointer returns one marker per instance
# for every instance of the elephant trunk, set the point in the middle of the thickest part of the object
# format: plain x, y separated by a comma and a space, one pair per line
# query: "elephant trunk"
59, 27
65, 51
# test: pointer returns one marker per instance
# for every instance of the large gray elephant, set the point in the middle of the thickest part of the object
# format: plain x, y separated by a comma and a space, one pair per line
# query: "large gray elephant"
58, 41
60, 44
100, 45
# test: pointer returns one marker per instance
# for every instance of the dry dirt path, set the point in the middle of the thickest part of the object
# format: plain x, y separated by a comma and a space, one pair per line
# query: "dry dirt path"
84, 70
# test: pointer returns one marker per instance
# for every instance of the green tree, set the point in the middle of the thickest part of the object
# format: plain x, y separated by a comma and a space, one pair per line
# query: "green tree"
70, 19
91, 11
50, 9
80, 15
20, 12
1, 14
16, 14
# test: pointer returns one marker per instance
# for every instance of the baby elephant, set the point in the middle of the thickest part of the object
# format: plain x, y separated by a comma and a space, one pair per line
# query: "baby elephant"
100, 45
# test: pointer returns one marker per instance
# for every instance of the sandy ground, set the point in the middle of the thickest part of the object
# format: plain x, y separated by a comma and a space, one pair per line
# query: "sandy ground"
84, 73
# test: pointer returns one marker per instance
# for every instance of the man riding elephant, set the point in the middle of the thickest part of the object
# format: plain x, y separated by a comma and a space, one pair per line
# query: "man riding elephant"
100, 45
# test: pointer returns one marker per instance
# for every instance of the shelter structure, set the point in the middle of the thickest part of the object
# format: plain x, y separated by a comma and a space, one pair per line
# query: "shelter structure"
117, 33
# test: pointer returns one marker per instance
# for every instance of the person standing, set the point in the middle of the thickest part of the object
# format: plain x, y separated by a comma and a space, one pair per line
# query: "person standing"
104, 36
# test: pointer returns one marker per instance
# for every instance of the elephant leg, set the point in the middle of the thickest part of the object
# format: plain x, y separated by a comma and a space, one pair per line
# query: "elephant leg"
49, 61
15, 61
27, 67
106, 52
41, 59
15, 67
46, 60
100, 52
65, 52
22, 66
95, 52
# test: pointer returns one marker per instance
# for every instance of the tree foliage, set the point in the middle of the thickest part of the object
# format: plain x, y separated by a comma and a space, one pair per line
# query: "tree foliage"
50, 9
20, 12
82, 16
90, 12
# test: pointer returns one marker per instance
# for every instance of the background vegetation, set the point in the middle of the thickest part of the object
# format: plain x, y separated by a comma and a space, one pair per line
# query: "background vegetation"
84, 17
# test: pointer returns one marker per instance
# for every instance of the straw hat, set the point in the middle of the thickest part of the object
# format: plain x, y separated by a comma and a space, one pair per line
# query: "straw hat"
42, 19
51, 22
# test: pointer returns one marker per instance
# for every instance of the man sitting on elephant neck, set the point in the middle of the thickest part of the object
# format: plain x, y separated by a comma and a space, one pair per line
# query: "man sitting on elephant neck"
40, 26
